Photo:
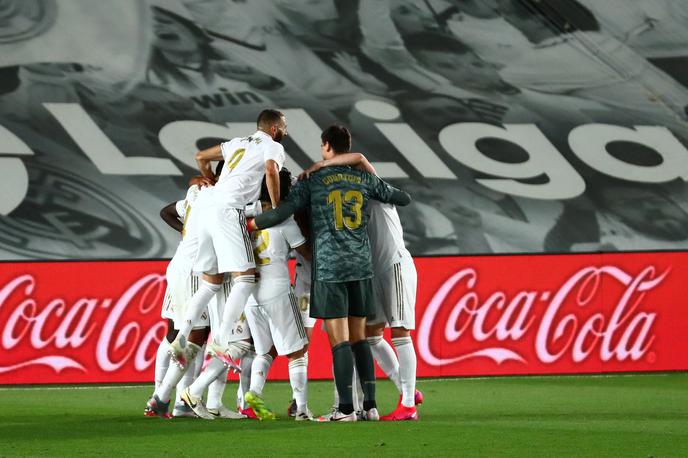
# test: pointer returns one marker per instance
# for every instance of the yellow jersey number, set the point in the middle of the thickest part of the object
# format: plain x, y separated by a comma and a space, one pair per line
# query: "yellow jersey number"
355, 199
265, 241
234, 160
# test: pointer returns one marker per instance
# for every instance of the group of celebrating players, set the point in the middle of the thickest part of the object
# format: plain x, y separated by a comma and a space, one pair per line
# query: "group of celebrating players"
229, 288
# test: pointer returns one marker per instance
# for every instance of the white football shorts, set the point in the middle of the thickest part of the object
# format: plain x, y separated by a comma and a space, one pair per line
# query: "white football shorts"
224, 244
304, 303
216, 306
395, 294
180, 288
277, 323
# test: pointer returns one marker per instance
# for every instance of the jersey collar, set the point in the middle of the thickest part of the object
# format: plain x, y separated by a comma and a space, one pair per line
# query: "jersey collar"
260, 133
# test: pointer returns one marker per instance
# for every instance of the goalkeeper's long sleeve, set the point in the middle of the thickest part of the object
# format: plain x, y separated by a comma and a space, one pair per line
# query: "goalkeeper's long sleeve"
275, 216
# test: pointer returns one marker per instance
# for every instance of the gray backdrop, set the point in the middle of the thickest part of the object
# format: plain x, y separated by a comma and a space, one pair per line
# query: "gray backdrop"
516, 125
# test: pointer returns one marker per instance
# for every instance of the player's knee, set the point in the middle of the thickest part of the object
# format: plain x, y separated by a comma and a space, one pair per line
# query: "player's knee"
375, 330
400, 332
244, 283
199, 336
374, 340
214, 279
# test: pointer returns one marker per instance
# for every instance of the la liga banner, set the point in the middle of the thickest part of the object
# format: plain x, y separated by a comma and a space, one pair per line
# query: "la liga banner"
95, 322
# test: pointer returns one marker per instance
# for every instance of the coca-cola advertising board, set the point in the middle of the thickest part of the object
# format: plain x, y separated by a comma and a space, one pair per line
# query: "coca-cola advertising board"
86, 322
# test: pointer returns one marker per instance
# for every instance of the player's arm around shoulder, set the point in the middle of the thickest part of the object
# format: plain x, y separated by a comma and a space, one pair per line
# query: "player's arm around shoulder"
294, 237
298, 198
384, 192
205, 157
356, 160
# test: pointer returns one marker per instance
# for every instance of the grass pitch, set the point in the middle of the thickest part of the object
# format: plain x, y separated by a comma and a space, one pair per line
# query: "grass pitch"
639, 416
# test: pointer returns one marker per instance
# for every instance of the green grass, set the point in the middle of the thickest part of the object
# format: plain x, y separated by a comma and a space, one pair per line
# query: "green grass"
639, 416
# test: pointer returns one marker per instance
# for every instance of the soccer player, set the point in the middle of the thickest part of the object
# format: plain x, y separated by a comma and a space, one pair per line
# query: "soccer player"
395, 284
342, 290
224, 242
273, 315
181, 282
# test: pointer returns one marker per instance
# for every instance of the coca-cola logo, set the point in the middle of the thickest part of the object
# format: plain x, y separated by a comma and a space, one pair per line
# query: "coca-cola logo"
580, 320
52, 329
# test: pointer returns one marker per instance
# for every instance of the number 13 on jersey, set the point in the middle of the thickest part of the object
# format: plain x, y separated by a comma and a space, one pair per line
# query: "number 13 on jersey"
354, 217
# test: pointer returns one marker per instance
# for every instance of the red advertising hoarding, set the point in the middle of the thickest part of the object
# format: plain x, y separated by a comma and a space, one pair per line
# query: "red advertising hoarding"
85, 322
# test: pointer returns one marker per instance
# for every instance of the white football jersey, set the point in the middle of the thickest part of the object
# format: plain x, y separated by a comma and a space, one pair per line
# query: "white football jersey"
302, 281
271, 249
386, 235
239, 182
186, 250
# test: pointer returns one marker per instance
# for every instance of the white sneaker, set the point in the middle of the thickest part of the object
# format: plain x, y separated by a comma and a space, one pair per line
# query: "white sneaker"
371, 415
304, 415
338, 416
181, 410
328, 415
196, 404
224, 412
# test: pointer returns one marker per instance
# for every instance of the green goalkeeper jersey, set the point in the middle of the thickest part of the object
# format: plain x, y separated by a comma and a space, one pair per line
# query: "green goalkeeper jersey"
338, 197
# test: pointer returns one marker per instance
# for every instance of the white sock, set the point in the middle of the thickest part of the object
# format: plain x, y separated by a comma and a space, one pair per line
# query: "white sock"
216, 390
386, 359
190, 375
172, 377
195, 307
246, 364
357, 391
298, 377
259, 373
162, 362
208, 376
234, 307
407, 369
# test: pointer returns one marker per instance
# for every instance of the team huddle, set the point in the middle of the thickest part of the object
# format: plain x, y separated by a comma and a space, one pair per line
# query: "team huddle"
229, 288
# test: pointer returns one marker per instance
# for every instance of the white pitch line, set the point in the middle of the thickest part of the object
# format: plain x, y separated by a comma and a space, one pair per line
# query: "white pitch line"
420, 380
77, 387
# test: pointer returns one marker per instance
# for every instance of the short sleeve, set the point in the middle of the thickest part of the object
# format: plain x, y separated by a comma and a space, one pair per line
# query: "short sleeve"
291, 233
180, 206
226, 148
275, 152
299, 195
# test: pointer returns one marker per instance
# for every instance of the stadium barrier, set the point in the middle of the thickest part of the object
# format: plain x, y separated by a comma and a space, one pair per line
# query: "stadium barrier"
95, 321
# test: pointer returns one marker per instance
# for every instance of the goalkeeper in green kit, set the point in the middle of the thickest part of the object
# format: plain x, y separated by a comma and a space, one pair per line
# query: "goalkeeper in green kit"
342, 288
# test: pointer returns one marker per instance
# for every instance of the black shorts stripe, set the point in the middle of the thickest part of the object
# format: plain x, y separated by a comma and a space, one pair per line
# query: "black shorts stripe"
399, 290
297, 315
193, 282
226, 289
247, 237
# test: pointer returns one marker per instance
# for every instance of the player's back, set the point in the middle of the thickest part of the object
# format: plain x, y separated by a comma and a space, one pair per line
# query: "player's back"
241, 177
386, 234
189, 211
338, 200
271, 249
